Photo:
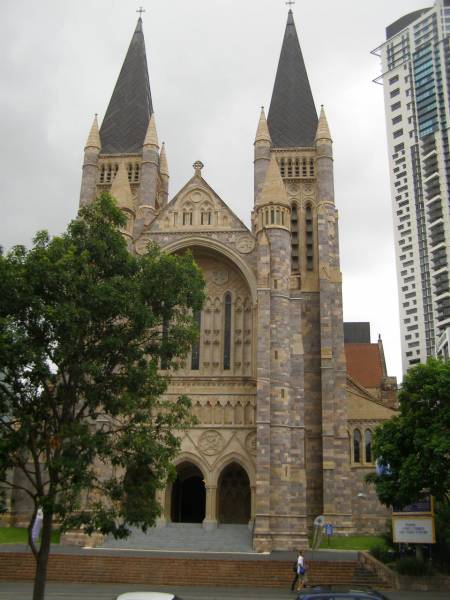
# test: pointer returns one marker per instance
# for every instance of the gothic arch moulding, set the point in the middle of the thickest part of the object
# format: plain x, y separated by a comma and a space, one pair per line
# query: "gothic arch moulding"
197, 461
228, 459
220, 248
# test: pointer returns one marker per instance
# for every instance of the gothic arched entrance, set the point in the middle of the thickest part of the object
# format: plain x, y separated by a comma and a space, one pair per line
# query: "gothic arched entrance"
188, 497
234, 495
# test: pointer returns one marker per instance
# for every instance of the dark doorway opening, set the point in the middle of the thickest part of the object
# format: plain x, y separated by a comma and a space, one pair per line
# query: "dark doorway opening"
234, 495
188, 495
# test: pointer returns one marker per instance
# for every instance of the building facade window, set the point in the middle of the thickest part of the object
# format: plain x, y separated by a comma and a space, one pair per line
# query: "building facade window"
357, 446
227, 333
368, 445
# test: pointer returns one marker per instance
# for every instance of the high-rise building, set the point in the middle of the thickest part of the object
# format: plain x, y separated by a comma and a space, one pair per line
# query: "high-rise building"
416, 76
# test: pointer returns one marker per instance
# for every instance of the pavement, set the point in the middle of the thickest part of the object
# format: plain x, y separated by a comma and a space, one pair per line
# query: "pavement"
76, 591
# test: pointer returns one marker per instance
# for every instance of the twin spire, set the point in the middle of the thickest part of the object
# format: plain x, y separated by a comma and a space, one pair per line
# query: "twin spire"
292, 118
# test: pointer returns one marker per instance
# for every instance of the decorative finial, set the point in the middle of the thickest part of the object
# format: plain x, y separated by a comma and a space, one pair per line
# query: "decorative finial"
198, 166
290, 3
140, 11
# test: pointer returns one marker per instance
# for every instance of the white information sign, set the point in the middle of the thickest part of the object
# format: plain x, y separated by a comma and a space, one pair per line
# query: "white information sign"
413, 530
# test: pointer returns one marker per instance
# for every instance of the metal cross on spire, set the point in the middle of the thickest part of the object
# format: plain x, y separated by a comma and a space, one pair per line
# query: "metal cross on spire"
290, 3
140, 11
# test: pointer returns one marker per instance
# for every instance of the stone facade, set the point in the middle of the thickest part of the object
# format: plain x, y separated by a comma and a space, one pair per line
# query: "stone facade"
267, 379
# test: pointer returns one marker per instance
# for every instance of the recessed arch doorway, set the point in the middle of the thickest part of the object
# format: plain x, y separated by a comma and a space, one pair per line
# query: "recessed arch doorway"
188, 496
234, 495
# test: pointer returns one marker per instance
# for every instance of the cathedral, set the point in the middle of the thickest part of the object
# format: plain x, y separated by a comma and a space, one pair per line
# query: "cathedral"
284, 427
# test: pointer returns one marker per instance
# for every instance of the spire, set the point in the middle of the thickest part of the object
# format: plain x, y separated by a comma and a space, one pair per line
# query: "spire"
292, 116
151, 136
262, 133
120, 189
93, 140
273, 190
126, 119
323, 131
163, 166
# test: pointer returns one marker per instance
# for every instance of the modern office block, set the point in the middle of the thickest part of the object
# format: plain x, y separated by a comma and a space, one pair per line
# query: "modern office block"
415, 73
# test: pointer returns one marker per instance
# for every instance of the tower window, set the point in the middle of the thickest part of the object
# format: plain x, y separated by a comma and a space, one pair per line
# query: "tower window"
311, 168
282, 168
356, 446
297, 167
227, 333
195, 351
304, 169
309, 239
289, 167
368, 445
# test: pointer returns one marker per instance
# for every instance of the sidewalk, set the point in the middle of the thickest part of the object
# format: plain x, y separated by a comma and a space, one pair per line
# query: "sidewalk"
74, 591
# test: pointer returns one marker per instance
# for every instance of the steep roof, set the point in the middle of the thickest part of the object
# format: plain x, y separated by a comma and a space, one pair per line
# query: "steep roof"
364, 364
126, 120
292, 116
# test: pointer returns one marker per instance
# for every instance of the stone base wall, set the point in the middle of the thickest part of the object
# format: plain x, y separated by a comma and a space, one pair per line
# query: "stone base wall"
369, 515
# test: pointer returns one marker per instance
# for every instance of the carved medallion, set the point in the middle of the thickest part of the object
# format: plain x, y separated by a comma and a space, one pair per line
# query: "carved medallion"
196, 196
250, 442
220, 277
292, 188
308, 189
245, 244
211, 442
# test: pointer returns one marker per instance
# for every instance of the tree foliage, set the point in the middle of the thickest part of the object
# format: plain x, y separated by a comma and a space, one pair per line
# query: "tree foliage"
413, 448
84, 326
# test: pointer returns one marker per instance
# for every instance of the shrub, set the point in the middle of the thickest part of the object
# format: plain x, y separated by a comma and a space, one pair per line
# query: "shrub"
409, 565
381, 552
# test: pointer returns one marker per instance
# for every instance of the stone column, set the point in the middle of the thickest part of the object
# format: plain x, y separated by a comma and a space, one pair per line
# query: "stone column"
210, 520
161, 521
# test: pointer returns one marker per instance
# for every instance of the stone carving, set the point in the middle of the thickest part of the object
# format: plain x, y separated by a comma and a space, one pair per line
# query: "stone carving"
292, 188
245, 244
211, 442
308, 189
220, 277
250, 442
196, 196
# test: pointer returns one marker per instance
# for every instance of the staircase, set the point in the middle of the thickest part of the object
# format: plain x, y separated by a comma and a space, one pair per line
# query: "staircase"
186, 537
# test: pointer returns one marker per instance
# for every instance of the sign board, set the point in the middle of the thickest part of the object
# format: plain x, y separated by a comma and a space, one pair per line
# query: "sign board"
328, 529
413, 530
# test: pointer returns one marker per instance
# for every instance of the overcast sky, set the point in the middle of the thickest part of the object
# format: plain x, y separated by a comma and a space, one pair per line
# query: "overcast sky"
212, 64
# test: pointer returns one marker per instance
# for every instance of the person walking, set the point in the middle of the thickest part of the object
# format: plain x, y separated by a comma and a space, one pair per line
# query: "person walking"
299, 572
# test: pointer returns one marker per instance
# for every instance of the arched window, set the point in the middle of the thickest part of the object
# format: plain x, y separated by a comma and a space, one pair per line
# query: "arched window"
356, 446
304, 170
309, 239
195, 351
311, 168
227, 333
282, 168
206, 217
187, 218
368, 445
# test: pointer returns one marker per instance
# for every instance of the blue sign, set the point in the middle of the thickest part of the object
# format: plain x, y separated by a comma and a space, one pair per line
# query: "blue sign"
328, 529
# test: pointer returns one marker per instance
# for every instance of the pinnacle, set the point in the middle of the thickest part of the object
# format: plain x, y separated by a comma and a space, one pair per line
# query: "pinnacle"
151, 137
93, 140
323, 131
273, 190
163, 166
262, 133
120, 189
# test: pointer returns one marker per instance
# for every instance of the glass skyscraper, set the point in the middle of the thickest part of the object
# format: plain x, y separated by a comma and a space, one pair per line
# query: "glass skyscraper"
415, 62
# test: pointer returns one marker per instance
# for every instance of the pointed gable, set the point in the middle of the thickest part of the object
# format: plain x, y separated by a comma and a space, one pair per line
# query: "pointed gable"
126, 120
292, 116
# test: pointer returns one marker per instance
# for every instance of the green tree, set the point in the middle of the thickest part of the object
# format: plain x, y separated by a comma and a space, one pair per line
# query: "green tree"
413, 448
84, 326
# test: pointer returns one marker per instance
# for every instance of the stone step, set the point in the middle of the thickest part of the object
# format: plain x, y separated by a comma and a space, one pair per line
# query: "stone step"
187, 537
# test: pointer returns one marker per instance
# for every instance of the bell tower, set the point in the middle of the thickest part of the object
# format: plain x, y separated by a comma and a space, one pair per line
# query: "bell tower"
126, 147
302, 462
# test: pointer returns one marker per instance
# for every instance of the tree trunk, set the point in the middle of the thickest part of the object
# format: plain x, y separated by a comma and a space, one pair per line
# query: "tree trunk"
42, 558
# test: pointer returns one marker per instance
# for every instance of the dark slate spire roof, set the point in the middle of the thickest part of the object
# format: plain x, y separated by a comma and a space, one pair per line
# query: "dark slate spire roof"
126, 120
292, 118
